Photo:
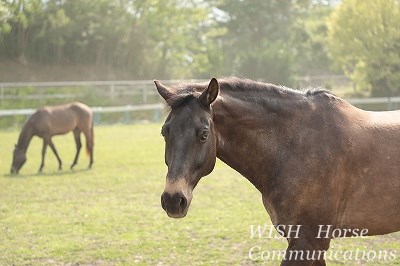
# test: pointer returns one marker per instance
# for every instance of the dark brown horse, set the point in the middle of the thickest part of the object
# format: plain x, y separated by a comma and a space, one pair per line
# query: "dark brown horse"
55, 120
317, 160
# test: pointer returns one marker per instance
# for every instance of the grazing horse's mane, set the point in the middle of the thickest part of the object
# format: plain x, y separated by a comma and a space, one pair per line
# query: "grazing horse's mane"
26, 134
236, 86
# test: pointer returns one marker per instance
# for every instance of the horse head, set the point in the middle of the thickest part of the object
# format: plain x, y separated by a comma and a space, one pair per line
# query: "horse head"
190, 144
19, 159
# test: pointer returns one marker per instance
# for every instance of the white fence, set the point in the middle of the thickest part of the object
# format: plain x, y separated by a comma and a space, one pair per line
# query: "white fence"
96, 110
117, 95
142, 89
156, 108
110, 89
389, 101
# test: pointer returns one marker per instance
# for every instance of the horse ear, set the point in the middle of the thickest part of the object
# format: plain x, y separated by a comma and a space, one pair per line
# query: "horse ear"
210, 94
164, 91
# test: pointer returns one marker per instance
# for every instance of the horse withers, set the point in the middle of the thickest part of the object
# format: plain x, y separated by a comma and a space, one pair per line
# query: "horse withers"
55, 120
316, 159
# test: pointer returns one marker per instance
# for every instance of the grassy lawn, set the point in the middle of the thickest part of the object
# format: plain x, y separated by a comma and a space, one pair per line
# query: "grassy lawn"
111, 215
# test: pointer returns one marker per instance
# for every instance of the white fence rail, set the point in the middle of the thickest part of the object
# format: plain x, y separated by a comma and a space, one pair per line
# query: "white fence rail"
141, 88
378, 100
111, 89
126, 110
91, 83
389, 101
386, 103
96, 110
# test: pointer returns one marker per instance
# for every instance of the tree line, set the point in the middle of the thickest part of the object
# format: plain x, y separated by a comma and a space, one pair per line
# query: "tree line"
259, 39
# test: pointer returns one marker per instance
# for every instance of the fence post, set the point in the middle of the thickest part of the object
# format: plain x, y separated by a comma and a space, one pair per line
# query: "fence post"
96, 118
157, 115
127, 118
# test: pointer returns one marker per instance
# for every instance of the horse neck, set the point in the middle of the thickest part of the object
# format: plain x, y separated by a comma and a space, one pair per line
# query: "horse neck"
250, 133
25, 136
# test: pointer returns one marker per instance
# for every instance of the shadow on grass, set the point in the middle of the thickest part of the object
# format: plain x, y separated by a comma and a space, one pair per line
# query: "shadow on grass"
57, 173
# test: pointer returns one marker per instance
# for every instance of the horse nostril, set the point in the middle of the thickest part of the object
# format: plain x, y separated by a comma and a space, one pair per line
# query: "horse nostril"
175, 203
182, 203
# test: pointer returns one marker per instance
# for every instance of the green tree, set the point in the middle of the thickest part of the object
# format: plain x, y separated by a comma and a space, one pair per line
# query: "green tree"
48, 42
364, 41
4, 20
170, 35
23, 17
309, 40
145, 38
258, 43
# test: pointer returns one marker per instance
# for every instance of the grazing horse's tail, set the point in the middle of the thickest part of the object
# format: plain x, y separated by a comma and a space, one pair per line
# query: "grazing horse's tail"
90, 141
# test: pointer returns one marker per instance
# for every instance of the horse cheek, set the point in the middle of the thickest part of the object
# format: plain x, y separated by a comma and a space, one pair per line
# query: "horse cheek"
205, 160
200, 159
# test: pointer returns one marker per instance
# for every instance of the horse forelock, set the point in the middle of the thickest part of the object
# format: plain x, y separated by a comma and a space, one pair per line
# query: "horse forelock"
184, 93
179, 100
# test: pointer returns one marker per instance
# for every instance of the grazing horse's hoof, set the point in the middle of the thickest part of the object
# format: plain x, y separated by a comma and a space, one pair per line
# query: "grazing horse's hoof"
14, 171
73, 164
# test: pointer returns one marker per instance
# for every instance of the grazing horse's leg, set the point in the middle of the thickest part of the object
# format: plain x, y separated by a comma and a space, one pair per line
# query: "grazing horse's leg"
88, 132
77, 136
45, 143
56, 154
306, 246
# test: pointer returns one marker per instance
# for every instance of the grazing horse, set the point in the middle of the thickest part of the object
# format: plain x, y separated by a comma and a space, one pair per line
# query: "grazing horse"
55, 120
321, 164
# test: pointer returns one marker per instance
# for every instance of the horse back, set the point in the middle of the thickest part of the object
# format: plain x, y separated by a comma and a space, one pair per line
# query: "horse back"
371, 195
60, 119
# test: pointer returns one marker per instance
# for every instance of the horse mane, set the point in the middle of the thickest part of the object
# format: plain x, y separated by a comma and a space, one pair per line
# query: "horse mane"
185, 92
237, 84
26, 134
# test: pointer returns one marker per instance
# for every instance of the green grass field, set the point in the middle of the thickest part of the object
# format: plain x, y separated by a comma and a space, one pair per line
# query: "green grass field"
111, 215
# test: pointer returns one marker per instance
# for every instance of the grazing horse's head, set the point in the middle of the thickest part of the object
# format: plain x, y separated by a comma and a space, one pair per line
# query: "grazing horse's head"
19, 158
190, 144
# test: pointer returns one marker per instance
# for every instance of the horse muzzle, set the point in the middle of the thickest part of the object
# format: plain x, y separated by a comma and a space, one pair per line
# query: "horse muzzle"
176, 197
175, 205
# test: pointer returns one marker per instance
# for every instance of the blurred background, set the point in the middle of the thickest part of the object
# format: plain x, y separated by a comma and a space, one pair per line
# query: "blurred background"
107, 52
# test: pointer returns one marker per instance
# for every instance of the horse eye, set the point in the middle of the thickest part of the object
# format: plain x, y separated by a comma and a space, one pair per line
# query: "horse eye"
204, 136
